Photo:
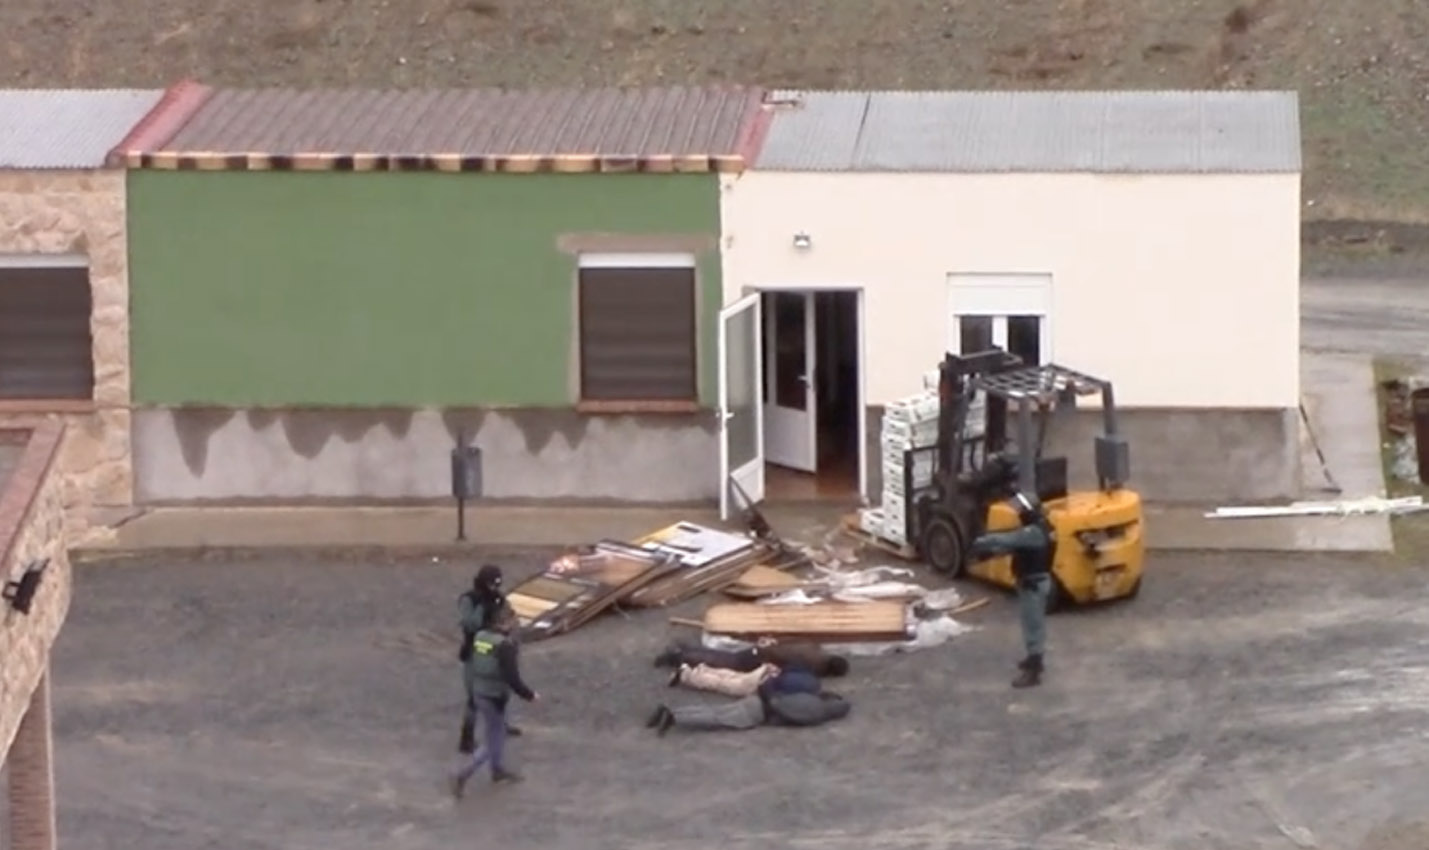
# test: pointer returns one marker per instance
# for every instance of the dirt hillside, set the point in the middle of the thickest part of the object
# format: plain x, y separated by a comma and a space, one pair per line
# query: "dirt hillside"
1362, 68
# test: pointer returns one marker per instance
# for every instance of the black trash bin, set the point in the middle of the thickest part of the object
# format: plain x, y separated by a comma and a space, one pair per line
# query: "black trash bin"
466, 473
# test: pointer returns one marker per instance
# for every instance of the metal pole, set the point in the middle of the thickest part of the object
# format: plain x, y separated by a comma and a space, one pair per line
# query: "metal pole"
1026, 455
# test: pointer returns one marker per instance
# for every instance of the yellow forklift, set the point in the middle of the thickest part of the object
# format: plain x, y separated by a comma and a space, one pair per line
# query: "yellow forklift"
1100, 551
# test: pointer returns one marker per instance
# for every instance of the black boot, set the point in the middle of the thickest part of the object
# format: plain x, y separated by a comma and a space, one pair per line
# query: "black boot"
502, 775
655, 717
669, 658
675, 676
667, 720
1031, 675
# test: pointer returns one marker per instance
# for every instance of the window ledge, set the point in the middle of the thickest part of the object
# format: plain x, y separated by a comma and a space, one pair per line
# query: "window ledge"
637, 406
48, 405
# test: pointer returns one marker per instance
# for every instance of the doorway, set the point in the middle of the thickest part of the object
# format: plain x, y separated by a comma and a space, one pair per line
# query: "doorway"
813, 388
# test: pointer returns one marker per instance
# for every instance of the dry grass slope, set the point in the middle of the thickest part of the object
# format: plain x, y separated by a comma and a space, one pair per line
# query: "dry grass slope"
1362, 68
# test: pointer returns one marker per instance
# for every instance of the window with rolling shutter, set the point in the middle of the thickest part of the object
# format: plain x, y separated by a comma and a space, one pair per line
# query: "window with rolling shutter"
46, 351
637, 334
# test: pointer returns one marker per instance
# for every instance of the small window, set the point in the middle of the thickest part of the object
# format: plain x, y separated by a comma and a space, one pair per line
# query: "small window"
637, 334
46, 350
974, 334
1024, 338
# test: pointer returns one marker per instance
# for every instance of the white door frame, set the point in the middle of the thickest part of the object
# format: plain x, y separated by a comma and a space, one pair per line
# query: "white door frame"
751, 303
862, 311
779, 419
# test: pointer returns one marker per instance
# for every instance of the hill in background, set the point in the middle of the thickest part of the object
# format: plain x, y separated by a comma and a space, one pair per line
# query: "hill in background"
1362, 68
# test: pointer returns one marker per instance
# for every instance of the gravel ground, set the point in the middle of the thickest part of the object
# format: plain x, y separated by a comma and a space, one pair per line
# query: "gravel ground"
1240, 703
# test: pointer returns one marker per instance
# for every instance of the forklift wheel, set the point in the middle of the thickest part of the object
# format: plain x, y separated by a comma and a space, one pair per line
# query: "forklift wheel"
943, 547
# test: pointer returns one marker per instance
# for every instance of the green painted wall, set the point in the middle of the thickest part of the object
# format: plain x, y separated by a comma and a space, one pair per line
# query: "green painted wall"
282, 289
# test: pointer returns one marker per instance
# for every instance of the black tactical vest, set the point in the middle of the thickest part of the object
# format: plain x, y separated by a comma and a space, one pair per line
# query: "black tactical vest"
1031, 563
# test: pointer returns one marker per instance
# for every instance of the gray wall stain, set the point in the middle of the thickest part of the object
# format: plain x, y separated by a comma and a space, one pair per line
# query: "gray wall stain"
397, 420
352, 425
463, 419
308, 426
194, 427
532, 454
308, 430
539, 430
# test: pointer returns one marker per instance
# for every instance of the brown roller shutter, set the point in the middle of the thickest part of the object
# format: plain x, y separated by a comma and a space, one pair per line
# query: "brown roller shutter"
46, 351
637, 334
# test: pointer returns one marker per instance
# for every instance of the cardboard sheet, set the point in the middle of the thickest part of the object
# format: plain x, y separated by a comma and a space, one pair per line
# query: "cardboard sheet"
820, 621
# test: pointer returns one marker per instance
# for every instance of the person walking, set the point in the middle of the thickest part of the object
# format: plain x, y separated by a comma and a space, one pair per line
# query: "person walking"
475, 608
491, 675
1033, 547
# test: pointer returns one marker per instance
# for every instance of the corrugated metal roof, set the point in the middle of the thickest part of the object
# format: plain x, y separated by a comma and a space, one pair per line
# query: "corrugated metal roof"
601, 122
1110, 132
67, 128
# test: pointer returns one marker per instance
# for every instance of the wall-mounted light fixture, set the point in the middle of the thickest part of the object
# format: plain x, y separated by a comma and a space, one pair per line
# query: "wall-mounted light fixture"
803, 241
21, 593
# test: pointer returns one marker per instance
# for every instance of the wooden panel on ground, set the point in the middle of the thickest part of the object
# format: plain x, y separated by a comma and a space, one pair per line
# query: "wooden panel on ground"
577, 588
529, 607
819, 622
709, 559
763, 580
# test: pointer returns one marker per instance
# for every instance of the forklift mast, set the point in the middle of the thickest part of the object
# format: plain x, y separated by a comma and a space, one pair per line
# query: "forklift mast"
1044, 390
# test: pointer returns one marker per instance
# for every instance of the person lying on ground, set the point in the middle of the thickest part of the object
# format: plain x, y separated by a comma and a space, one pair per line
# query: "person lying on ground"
783, 655
765, 707
701, 677
721, 680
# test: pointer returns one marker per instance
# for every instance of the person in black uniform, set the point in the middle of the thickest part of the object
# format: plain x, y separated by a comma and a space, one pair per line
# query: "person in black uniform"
476, 608
1033, 546
492, 674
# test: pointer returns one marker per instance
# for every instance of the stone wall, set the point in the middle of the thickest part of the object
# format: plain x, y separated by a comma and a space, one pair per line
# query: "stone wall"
31, 528
81, 212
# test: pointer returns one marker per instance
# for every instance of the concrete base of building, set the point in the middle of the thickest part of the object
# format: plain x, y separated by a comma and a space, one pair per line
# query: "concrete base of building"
200, 455
196, 455
1177, 456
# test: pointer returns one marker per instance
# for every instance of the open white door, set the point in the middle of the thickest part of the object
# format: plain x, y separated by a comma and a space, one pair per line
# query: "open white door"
741, 416
792, 405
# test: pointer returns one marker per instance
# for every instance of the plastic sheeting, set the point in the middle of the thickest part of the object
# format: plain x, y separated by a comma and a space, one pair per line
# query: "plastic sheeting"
865, 585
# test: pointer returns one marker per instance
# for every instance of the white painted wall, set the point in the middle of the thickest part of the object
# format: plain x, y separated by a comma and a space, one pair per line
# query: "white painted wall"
1184, 289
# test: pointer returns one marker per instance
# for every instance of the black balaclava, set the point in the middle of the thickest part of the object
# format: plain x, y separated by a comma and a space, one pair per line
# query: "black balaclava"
487, 581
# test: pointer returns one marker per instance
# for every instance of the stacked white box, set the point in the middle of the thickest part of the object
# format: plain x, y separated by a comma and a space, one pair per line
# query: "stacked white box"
912, 423
909, 423
872, 521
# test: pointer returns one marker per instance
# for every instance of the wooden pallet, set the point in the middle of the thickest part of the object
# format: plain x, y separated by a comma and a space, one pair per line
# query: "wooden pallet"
883, 544
831, 622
